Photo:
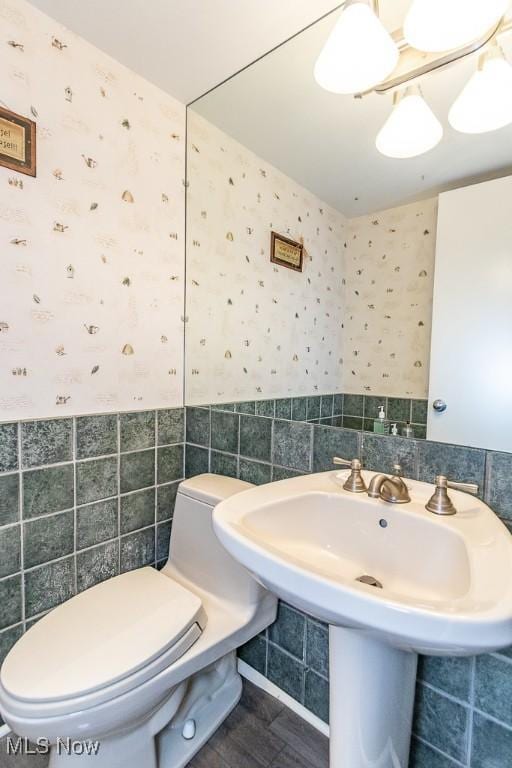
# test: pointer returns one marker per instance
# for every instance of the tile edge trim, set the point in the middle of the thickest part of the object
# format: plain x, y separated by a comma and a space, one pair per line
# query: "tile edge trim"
266, 685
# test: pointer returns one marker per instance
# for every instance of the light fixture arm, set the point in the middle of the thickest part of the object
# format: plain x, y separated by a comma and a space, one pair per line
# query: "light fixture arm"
414, 64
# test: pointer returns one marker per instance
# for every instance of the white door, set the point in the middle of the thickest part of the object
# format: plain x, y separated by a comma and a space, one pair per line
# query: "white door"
471, 354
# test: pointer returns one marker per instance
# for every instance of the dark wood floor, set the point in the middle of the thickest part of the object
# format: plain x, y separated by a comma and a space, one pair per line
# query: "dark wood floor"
262, 733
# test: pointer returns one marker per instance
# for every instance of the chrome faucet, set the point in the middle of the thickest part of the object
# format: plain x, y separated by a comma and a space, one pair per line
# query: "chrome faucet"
390, 489
440, 503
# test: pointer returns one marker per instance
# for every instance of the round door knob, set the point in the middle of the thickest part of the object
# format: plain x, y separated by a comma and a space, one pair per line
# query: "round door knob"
439, 406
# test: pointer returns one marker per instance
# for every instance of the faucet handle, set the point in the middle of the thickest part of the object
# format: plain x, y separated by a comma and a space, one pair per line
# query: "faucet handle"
440, 503
397, 469
342, 462
472, 488
355, 482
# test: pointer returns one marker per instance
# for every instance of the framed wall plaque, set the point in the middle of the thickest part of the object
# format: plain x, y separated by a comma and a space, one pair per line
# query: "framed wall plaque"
17, 142
286, 252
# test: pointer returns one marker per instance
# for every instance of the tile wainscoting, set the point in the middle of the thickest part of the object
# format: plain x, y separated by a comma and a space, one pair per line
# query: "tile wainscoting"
84, 498
81, 500
338, 410
463, 715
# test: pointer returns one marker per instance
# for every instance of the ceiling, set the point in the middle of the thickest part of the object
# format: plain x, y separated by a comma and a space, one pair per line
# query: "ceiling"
323, 141
327, 142
185, 47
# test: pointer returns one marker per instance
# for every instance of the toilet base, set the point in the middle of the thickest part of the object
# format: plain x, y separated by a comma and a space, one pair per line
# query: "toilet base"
208, 712
207, 698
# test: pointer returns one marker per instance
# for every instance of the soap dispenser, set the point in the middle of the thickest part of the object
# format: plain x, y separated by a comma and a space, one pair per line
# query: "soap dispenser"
408, 431
381, 425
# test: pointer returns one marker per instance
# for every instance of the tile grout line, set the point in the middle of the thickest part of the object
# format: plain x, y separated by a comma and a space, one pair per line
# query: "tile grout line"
155, 476
92, 503
304, 665
466, 704
493, 719
74, 452
185, 420
239, 433
311, 446
84, 460
487, 476
239, 444
272, 439
69, 555
21, 524
472, 692
456, 763
118, 438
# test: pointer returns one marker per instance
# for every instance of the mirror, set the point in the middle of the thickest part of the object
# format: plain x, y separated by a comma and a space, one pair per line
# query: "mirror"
272, 151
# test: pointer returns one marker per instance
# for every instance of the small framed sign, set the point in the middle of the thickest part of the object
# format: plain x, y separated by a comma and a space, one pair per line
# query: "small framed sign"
286, 252
17, 142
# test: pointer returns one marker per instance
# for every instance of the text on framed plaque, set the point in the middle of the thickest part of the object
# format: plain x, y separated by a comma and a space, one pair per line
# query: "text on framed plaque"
17, 142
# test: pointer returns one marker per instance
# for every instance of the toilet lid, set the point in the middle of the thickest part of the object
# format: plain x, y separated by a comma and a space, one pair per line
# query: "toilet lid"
101, 636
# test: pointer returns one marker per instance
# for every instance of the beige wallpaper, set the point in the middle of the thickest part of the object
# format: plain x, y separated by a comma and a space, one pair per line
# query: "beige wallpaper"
92, 250
388, 287
91, 317
254, 329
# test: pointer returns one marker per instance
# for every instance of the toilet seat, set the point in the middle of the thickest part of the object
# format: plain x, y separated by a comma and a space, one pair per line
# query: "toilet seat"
109, 638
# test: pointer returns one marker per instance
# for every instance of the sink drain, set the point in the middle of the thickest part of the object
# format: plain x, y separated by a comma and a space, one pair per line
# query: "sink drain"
371, 581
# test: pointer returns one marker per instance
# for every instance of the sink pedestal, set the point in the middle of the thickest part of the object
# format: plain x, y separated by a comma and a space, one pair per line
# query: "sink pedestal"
371, 701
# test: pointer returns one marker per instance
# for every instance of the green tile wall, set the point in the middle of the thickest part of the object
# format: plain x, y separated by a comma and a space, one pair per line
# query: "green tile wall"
81, 500
356, 412
86, 498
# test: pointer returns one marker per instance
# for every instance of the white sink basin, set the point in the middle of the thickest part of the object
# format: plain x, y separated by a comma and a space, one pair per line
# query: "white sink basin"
446, 589
446, 580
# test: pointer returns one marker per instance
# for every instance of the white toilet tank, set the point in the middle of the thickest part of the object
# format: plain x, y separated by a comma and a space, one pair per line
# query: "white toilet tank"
195, 550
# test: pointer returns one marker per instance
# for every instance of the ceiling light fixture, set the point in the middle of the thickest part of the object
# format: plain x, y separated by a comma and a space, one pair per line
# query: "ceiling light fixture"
442, 25
412, 128
359, 52
485, 104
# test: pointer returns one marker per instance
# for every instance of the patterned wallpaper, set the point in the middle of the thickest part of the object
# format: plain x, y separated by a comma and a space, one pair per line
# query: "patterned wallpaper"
388, 288
257, 330
92, 250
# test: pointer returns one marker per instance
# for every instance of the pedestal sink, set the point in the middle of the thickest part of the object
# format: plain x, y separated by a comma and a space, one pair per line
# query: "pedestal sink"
432, 585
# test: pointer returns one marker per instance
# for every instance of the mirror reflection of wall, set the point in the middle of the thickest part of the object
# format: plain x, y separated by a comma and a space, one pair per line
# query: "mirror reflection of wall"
257, 330
272, 150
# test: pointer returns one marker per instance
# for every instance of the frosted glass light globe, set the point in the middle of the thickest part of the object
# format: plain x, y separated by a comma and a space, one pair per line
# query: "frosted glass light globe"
359, 52
485, 104
441, 25
412, 128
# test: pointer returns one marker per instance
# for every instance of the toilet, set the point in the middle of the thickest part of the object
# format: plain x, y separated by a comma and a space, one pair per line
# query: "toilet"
139, 671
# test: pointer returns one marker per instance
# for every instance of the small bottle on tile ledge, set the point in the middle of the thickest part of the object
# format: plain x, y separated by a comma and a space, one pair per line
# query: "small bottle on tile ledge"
408, 431
381, 425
